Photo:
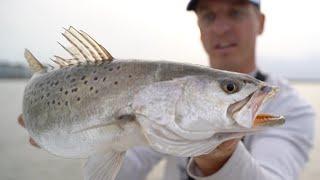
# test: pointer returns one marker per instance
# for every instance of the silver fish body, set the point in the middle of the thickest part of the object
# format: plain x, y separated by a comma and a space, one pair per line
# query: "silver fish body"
63, 102
98, 109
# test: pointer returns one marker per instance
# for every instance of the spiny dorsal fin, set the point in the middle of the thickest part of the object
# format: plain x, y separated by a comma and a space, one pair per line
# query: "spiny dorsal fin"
84, 49
102, 52
34, 64
92, 53
67, 62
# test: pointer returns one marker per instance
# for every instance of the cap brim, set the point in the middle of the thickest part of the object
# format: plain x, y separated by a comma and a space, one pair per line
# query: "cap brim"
193, 3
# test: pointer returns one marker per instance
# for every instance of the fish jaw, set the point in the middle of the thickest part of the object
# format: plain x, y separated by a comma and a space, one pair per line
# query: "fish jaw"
246, 112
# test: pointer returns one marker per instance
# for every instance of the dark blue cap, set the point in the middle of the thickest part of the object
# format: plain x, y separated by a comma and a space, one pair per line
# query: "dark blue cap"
193, 4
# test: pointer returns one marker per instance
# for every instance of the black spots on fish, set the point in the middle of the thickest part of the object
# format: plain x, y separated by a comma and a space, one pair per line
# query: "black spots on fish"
66, 92
74, 90
48, 94
59, 103
42, 97
48, 103
96, 91
85, 82
115, 83
78, 98
83, 77
53, 101
104, 79
130, 76
73, 80
66, 103
91, 88
95, 78
54, 83
94, 72
61, 89
111, 68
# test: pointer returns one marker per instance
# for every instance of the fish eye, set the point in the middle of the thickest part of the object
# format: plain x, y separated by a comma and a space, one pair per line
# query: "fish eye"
229, 86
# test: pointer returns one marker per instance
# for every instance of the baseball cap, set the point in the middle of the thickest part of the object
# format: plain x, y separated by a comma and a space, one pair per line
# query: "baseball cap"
193, 3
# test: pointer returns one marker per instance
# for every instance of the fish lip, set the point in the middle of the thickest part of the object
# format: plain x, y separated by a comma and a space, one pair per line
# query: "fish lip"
254, 102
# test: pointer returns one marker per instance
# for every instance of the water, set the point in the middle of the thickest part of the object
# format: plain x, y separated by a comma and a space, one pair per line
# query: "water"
19, 160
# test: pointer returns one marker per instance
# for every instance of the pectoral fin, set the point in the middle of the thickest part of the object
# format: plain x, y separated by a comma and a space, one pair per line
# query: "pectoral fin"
103, 166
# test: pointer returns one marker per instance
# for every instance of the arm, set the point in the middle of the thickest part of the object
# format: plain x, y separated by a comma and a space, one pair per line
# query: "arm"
278, 153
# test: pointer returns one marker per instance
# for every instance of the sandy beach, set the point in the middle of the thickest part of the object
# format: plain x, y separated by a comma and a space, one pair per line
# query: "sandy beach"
20, 161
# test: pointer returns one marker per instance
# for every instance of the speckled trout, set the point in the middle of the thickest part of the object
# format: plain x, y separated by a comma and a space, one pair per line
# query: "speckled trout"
95, 106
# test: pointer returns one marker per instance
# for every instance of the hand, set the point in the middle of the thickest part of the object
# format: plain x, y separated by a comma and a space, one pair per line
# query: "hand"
212, 162
31, 141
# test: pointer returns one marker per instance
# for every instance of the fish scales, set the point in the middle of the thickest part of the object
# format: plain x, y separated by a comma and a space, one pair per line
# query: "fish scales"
97, 108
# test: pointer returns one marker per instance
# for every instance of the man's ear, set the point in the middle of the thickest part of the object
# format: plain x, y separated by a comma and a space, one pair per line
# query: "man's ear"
261, 23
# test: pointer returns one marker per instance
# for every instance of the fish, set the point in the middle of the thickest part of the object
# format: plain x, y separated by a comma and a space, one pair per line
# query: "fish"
95, 106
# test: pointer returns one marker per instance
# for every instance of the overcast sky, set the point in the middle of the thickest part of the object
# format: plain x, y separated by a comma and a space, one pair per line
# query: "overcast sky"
149, 29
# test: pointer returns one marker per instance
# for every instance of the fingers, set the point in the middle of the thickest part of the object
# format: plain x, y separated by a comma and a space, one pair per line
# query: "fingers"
33, 143
21, 121
228, 145
223, 150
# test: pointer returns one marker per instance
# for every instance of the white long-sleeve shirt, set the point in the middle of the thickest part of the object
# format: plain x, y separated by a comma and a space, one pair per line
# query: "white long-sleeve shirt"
278, 153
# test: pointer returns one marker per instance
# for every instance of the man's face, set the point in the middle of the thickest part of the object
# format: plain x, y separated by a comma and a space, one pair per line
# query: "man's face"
228, 32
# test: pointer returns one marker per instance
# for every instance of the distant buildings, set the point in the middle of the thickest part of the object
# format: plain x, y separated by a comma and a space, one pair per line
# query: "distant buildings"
9, 70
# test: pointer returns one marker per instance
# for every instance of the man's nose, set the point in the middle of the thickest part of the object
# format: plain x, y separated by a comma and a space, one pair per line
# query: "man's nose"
221, 26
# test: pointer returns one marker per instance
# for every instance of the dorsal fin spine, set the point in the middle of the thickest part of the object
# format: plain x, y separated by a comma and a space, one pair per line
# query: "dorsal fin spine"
104, 54
85, 43
77, 47
66, 49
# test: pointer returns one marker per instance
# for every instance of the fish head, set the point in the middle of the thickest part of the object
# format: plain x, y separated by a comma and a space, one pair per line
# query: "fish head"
198, 107
241, 98
224, 102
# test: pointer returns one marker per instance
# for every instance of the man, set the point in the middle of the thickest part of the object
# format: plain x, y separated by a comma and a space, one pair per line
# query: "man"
229, 29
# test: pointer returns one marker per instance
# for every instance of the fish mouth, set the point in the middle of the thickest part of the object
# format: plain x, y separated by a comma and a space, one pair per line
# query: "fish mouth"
246, 112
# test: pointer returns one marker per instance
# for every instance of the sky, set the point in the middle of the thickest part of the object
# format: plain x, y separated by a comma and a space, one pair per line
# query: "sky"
155, 30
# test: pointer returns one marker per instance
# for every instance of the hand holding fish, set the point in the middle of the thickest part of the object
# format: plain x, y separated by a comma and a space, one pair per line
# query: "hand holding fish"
97, 107
21, 122
212, 162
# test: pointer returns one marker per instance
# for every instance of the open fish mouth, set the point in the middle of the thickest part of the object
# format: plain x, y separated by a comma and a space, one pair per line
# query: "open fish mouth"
246, 112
